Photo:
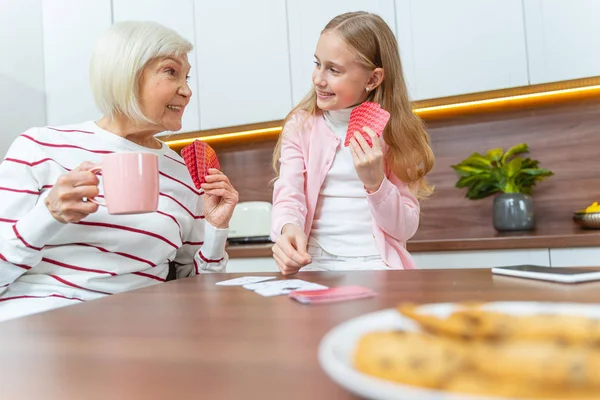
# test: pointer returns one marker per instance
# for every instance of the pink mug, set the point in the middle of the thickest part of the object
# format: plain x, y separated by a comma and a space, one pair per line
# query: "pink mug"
130, 183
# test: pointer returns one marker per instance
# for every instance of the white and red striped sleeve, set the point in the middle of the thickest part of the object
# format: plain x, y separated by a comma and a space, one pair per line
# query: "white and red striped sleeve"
203, 248
26, 224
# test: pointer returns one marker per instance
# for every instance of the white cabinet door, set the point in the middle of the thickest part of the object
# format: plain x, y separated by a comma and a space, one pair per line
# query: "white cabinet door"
243, 62
22, 100
575, 257
177, 15
480, 259
71, 28
463, 46
245, 265
306, 20
562, 39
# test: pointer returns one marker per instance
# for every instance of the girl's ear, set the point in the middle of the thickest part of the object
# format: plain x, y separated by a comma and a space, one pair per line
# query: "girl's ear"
375, 79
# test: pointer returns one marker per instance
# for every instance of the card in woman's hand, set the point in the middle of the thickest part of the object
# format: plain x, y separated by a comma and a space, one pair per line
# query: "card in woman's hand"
367, 114
199, 157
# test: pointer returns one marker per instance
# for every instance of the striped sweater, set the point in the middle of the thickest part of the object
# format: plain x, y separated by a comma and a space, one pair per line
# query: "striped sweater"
46, 264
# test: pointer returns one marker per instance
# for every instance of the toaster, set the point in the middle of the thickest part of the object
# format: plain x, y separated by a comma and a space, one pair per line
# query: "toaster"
250, 223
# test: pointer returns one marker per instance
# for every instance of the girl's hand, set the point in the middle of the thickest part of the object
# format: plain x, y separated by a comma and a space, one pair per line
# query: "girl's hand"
368, 161
289, 251
220, 199
65, 199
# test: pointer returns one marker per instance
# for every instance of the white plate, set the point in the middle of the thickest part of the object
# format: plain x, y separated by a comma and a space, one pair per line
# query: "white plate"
337, 347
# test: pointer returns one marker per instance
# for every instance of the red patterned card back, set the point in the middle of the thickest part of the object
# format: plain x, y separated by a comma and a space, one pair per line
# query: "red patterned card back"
367, 114
199, 157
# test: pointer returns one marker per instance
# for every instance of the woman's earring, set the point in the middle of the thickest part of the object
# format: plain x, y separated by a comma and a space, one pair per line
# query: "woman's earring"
367, 89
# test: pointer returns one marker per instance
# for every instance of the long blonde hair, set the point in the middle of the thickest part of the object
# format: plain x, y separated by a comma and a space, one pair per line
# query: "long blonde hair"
409, 155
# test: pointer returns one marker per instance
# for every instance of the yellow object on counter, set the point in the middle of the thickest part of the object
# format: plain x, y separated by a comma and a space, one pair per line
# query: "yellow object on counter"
593, 208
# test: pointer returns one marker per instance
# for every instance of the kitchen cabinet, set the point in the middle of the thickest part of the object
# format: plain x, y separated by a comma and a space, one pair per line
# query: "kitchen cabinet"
257, 264
480, 259
561, 39
252, 61
177, 15
242, 61
307, 18
22, 97
575, 257
428, 260
461, 46
71, 28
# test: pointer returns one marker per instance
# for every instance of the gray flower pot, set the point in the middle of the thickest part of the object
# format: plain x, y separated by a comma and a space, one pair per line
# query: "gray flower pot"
513, 212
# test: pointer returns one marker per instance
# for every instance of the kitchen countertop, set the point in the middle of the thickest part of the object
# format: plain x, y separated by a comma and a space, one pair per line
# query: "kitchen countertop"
473, 238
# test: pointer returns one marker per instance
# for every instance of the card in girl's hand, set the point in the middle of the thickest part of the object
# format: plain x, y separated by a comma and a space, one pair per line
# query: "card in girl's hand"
367, 114
199, 157
331, 295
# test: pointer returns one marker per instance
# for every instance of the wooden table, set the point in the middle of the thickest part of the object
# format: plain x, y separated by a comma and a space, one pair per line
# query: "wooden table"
191, 339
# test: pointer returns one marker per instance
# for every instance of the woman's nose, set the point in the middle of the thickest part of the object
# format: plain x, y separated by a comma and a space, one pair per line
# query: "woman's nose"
185, 90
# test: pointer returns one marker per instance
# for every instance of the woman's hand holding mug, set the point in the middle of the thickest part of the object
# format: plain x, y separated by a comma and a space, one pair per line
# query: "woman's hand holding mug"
130, 182
65, 198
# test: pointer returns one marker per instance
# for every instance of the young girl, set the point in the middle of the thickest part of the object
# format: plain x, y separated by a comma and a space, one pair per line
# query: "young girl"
350, 208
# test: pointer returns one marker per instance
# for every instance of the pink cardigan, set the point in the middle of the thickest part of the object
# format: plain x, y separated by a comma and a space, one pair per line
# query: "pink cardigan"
307, 152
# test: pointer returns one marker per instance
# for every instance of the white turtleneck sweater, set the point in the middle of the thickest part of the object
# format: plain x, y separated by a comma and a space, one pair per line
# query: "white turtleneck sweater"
343, 224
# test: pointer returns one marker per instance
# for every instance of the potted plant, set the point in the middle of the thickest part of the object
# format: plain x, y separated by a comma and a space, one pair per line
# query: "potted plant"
509, 174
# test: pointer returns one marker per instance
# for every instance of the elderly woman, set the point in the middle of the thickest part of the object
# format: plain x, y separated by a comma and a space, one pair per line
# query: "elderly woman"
57, 248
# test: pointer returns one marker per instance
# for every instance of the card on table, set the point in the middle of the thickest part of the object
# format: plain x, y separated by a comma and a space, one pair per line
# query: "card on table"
276, 288
331, 295
244, 280
367, 114
199, 157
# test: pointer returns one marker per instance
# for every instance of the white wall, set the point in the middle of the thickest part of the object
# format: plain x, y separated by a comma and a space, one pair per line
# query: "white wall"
71, 28
448, 47
22, 89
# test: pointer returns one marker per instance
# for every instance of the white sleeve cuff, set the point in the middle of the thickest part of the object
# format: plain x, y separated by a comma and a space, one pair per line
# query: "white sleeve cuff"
215, 239
38, 226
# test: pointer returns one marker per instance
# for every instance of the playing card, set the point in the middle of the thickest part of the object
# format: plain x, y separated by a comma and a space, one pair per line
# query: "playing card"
244, 280
331, 295
275, 288
367, 114
199, 157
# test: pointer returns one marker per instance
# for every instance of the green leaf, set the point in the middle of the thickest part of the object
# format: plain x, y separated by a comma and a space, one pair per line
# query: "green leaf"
477, 160
516, 149
529, 163
499, 178
541, 172
495, 154
467, 181
481, 190
512, 187
467, 170
513, 167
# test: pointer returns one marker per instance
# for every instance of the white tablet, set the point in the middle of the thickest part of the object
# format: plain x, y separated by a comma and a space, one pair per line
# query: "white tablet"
556, 274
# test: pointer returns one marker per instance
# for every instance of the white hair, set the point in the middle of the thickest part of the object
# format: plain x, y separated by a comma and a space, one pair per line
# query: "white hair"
119, 57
